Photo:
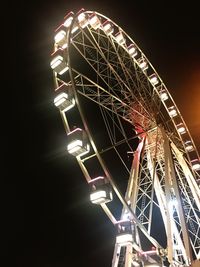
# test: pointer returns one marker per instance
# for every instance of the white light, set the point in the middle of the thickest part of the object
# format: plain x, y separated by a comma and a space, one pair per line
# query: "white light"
180, 128
68, 21
78, 146
94, 21
63, 70
188, 146
124, 238
63, 102
74, 146
74, 29
154, 79
98, 197
59, 65
196, 165
108, 28
120, 38
142, 64
83, 22
163, 96
172, 111
60, 36
60, 99
132, 50
56, 61
173, 203
126, 215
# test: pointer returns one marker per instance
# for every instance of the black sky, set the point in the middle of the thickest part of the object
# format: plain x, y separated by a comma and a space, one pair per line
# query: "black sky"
48, 220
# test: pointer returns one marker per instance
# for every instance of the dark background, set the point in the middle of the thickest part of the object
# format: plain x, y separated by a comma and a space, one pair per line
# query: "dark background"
47, 217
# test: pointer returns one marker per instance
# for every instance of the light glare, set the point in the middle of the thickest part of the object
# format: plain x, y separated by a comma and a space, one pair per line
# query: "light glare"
68, 22
74, 144
172, 111
124, 238
60, 36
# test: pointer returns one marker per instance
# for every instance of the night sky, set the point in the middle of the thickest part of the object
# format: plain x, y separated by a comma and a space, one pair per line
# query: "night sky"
48, 220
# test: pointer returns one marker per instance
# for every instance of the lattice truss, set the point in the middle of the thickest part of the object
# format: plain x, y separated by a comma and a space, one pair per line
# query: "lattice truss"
151, 195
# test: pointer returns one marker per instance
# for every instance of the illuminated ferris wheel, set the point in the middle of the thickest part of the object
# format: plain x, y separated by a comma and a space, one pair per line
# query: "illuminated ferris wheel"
130, 141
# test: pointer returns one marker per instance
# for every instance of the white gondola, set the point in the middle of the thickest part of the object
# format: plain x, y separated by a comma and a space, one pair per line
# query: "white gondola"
132, 50
77, 143
82, 19
68, 19
64, 100
61, 37
101, 192
94, 21
195, 164
172, 111
153, 79
119, 37
181, 128
142, 63
189, 146
58, 64
108, 27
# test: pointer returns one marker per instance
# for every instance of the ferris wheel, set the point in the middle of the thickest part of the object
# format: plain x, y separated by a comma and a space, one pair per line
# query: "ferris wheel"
130, 141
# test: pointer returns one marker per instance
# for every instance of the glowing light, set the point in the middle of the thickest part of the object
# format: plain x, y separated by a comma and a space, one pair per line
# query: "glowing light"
59, 65
68, 20
154, 79
172, 111
163, 96
120, 38
126, 216
63, 70
142, 62
74, 146
124, 238
63, 102
74, 29
60, 36
180, 128
195, 165
94, 21
77, 145
162, 92
82, 19
188, 146
98, 197
173, 203
56, 61
108, 27
132, 50
60, 99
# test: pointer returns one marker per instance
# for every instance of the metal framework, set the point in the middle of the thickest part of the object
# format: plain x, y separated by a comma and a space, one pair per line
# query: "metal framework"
138, 141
